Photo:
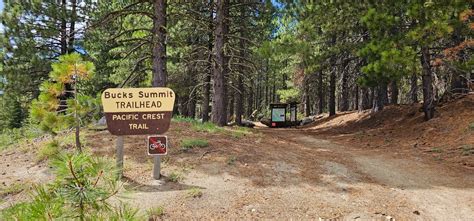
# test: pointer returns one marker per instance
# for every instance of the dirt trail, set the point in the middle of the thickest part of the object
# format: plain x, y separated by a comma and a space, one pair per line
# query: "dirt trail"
281, 174
289, 174
439, 193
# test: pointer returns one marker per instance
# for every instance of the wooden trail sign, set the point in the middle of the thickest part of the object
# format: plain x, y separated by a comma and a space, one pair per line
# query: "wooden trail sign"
136, 111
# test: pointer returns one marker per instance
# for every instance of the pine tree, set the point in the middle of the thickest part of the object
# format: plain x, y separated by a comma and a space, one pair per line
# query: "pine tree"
47, 109
34, 34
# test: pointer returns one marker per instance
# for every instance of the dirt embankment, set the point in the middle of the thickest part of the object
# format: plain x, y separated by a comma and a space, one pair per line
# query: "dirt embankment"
448, 138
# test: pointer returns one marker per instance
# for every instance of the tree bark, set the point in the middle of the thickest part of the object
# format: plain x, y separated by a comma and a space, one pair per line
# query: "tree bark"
394, 92
250, 97
274, 94
427, 78
356, 99
207, 79
159, 44
344, 105
414, 89
191, 107
266, 95
380, 97
364, 100
239, 93
231, 103
72, 26
320, 92
332, 92
239, 105
63, 37
307, 98
459, 83
183, 106
219, 112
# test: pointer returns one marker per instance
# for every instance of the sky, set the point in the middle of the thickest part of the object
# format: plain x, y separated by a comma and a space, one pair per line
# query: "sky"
276, 3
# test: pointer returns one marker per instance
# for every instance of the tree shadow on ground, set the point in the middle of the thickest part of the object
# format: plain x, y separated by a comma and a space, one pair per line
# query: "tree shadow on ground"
162, 185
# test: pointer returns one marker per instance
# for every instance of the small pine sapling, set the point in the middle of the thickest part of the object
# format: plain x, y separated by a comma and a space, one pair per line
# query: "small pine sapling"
53, 110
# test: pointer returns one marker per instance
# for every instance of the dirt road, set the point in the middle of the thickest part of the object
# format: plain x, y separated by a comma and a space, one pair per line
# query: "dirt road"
281, 173
288, 174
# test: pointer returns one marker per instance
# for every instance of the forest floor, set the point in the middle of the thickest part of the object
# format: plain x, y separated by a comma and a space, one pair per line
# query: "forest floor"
354, 166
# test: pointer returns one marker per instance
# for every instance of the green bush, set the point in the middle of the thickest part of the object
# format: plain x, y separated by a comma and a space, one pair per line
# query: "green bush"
81, 189
187, 144
175, 177
195, 192
155, 213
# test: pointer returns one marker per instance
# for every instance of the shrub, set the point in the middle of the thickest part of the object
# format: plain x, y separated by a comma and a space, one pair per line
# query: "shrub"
175, 177
81, 189
194, 192
155, 213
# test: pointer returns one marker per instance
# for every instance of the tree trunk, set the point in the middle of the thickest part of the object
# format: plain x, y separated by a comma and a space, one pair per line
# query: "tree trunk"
414, 89
206, 98
63, 37
394, 92
427, 78
219, 112
257, 92
459, 83
230, 104
344, 105
72, 26
356, 98
307, 98
250, 97
274, 94
183, 106
266, 85
364, 100
159, 44
239, 92
380, 97
332, 92
191, 107
320, 93
207, 79
239, 105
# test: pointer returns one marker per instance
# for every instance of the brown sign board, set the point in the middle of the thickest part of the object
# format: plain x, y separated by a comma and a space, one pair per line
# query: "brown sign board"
157, 145
136, 111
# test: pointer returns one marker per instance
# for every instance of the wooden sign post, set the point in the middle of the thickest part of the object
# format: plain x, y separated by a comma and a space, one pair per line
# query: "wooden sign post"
138, 111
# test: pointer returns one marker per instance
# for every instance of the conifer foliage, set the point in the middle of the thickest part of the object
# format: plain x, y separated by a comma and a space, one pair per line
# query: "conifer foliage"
51, 110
